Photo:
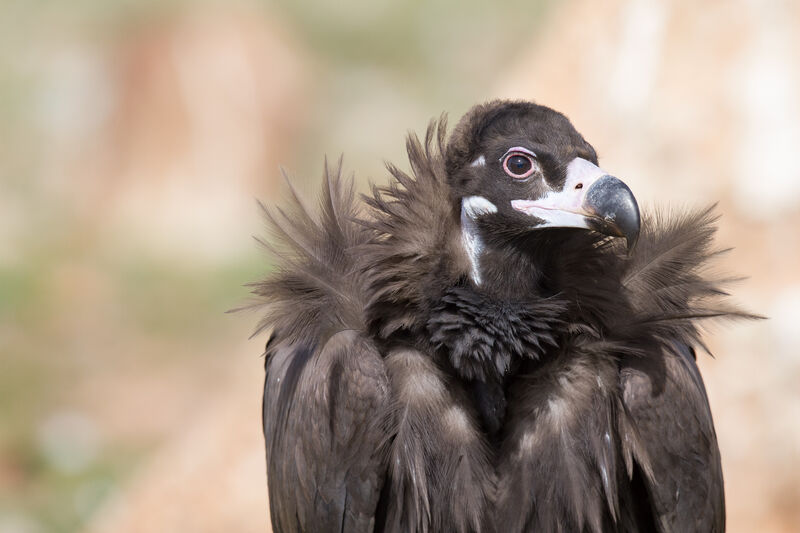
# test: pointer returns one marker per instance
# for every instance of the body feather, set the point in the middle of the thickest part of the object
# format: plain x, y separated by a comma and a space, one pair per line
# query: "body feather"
400, 397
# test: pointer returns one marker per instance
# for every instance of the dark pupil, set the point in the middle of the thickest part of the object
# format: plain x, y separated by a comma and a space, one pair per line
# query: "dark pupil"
519, 164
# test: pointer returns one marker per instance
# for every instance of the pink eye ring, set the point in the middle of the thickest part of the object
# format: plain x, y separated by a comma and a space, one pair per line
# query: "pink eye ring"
518, 165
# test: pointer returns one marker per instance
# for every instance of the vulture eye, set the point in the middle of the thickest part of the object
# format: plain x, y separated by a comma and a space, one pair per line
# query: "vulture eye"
518, 165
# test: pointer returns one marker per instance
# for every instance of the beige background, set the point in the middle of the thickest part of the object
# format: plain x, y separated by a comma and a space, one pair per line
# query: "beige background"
134, 137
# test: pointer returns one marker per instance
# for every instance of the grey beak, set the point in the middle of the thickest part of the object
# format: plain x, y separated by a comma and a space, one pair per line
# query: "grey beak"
613, 210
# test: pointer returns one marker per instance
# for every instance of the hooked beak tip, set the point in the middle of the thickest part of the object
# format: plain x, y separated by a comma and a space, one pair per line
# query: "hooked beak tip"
613, 209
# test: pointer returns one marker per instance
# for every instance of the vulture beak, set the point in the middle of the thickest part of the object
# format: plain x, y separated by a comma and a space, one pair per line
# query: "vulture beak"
590, 199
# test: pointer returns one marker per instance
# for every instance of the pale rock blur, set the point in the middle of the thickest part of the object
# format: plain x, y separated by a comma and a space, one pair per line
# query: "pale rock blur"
171, 135
209, 478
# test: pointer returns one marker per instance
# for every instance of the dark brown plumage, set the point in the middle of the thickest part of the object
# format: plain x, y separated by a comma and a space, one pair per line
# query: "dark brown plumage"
468, 348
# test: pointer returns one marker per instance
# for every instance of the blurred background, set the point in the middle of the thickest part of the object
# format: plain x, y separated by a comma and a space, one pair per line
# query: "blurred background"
136, 135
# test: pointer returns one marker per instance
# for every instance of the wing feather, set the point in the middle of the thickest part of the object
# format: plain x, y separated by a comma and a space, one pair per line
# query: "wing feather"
668, 434
325, 419
325, 404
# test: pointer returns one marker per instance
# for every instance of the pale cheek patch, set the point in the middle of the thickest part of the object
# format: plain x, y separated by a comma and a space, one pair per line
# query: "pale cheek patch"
475, 206
479, 162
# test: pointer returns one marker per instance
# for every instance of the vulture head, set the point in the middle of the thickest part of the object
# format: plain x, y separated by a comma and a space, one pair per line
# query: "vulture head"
517, 169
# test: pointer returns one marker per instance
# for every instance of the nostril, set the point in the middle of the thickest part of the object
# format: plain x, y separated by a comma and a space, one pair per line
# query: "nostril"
579, 186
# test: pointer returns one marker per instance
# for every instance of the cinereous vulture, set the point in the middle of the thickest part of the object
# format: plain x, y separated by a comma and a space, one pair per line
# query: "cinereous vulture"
493, 342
